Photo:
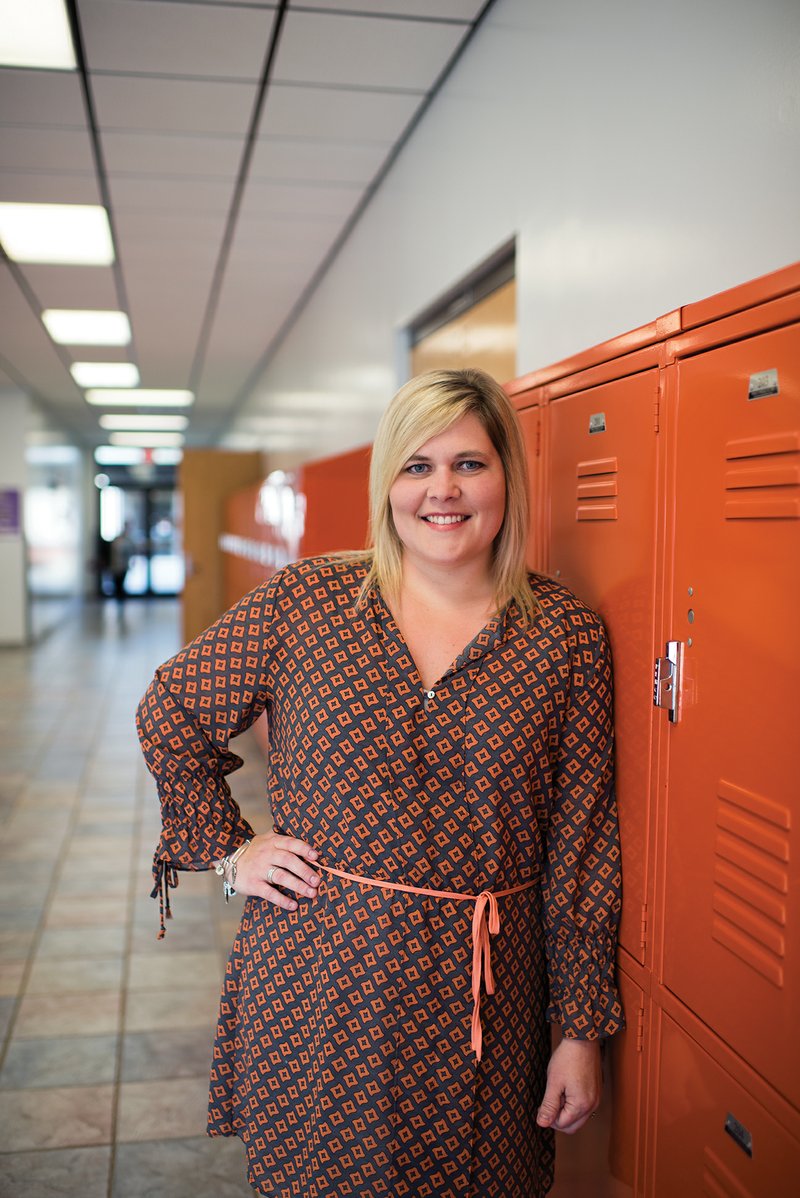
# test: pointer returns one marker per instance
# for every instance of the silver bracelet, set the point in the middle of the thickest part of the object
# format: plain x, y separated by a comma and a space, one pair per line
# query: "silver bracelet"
228, 883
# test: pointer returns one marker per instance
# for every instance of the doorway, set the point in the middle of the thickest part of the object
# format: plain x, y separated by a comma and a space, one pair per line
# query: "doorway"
150, 517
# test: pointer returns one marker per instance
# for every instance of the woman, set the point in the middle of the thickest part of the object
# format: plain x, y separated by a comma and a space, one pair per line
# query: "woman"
443, 875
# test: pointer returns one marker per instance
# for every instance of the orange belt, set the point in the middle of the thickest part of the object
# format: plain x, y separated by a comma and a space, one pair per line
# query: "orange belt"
482, 928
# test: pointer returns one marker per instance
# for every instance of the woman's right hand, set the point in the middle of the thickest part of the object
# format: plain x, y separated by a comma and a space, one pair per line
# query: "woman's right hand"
272, 860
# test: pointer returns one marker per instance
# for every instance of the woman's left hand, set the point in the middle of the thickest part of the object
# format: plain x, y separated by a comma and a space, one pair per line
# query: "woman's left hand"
574, 1084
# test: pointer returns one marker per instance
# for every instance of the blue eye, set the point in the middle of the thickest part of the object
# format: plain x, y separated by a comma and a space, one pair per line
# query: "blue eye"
470, 466
416, 468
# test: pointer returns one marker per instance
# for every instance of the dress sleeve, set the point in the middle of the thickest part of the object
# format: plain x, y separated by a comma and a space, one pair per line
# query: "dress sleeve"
210, 691
583, 878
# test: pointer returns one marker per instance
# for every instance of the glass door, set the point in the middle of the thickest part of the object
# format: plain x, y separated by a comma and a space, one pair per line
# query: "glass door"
140, 525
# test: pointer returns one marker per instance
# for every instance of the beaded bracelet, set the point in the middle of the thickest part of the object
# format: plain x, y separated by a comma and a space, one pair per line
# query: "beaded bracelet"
221, 866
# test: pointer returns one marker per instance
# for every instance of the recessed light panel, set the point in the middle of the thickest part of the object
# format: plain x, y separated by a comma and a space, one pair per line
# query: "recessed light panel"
104, 374
35, 33
167, 457
75, 234
139, 397
155, 423
118, 455
74, 326
146, 440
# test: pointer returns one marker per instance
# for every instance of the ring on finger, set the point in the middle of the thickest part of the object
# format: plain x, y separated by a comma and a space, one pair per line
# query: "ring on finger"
270, 874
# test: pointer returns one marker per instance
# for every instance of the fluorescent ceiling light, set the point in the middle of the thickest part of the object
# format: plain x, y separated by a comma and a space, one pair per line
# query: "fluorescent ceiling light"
139, 397
35, 33
52, 455
77, 234
167, 457
104, 374
117, 455
155, 423
73, 326
147, 440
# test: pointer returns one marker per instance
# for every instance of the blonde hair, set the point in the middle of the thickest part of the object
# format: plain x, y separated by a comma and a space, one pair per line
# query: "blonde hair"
422, 409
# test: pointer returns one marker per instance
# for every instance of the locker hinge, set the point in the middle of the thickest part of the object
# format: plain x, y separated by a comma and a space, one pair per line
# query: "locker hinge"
538, 437
657, 402
667, 680
645, 927
640, 1030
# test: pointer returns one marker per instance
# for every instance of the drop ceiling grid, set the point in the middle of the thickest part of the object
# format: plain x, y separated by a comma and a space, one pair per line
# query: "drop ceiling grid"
173, 85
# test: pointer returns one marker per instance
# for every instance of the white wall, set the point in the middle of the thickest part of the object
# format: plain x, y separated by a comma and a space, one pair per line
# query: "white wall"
645, 154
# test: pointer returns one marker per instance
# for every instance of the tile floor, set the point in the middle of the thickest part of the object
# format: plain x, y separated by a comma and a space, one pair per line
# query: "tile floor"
105, 1031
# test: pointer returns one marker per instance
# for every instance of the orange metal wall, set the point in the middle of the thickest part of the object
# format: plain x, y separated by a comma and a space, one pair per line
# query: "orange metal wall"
670, 500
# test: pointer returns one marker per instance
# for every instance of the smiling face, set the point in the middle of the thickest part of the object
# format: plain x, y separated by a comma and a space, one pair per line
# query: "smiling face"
448, 501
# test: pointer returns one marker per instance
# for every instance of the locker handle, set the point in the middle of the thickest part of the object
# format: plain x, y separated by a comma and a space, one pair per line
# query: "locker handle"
667, 680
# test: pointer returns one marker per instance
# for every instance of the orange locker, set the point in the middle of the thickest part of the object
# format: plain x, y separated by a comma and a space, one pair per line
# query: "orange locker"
670, 493
732, 864
532, 423
319, 508
713, 1136
336, 491
602, 485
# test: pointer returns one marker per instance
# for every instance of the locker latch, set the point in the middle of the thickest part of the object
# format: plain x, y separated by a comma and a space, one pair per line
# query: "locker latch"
667, 680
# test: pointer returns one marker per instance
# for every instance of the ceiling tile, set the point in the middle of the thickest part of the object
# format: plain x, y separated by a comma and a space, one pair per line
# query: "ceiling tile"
268, 244
173, 105
66, 188
171, 155
175, 39
287, 200
25, 149
170, 196
196, 237
41, 97
26, 345
363, 52
453, 10
322, 112
317, 161
72, 286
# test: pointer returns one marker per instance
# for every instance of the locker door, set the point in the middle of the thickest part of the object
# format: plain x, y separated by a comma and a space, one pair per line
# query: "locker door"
713, 1138
732, 903
602, 448
530, 420
600, 1161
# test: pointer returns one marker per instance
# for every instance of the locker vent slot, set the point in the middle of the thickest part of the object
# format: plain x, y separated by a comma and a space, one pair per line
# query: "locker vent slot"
718, 1181
597, 489
758, 467
751, 879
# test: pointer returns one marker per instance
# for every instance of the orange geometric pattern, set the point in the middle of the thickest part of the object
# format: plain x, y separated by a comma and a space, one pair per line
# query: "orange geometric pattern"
343, 1056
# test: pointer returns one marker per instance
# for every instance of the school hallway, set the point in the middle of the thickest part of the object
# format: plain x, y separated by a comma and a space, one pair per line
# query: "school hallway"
107, 1032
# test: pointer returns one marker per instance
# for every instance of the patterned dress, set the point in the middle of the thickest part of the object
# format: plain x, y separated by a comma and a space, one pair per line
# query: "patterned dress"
343, 1056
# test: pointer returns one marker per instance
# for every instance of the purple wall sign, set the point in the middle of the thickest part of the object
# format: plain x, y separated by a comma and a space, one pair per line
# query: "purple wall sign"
10, 508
